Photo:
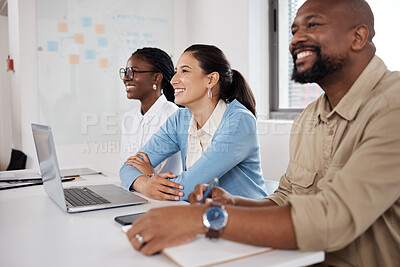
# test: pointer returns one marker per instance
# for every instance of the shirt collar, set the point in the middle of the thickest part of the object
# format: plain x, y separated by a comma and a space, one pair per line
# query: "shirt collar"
349, 105
212, 123
324, 108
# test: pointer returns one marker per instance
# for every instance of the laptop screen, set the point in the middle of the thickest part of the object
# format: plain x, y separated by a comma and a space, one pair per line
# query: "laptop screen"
48, 163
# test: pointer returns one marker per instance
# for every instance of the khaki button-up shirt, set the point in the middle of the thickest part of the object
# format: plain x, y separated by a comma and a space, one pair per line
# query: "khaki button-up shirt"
343, 179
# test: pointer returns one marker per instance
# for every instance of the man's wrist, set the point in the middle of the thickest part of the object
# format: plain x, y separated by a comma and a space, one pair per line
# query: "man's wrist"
197, 218
238, 201
235, 201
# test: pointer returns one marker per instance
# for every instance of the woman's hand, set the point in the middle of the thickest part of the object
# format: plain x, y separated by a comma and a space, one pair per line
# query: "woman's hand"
166, 227
217, 194
158, 186
141, 162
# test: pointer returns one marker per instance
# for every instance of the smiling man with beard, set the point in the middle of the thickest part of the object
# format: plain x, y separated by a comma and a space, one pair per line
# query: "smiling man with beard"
341, 190
322, 66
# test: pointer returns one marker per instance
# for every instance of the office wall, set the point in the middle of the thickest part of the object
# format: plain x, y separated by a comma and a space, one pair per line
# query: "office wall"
180, 28
5, 98
24, 93
274, 141
223, 23
195, 22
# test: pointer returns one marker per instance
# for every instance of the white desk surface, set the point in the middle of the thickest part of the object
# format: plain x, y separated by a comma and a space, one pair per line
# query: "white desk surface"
34, 231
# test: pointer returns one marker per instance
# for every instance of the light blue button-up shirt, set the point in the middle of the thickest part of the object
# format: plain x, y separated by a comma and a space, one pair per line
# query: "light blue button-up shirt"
233, 156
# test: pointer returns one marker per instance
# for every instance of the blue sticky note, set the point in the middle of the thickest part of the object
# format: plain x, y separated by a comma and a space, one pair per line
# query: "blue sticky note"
102, 42
52, 46
87, 22
89, 54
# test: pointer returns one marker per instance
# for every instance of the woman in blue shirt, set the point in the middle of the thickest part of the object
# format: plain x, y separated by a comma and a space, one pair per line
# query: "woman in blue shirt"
216, 133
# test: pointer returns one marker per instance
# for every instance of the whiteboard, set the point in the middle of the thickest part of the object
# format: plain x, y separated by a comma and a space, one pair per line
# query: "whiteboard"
82, 44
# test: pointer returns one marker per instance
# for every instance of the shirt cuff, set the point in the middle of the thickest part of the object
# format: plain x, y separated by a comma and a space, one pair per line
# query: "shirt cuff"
128, 175
277, 199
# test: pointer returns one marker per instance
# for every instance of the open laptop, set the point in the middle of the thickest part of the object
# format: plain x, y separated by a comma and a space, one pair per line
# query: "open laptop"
75, 199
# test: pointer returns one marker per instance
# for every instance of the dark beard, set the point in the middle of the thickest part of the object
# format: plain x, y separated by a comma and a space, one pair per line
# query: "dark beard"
322, 66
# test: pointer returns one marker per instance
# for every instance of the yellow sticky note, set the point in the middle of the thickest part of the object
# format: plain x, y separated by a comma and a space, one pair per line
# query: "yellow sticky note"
100, 28
73, 59
79, 38
104, 63
62, 27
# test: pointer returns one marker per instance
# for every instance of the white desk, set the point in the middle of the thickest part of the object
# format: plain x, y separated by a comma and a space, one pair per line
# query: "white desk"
34, 231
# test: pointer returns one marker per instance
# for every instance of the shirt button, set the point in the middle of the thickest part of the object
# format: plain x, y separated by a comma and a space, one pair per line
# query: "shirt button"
330, 132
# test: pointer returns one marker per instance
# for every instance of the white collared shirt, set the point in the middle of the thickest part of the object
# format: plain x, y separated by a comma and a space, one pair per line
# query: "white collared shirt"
137, 129
200, 139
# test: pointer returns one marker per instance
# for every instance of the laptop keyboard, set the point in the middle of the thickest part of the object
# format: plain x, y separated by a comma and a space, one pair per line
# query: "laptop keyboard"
83, 197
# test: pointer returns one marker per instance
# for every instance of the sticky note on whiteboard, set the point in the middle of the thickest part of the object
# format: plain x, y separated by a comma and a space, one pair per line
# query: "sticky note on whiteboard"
102, 42
52, 46
104, 63
100, 28
89, 54
87, 22
73, 59
79, 38
62, 27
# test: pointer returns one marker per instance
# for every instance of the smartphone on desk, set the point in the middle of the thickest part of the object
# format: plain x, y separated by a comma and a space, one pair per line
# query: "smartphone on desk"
127, 219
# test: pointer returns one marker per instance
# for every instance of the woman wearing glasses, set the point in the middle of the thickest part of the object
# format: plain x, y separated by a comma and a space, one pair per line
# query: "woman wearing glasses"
216, 133
146, 78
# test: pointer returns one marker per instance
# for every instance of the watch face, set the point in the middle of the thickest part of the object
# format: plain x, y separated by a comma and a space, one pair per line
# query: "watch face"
216, 218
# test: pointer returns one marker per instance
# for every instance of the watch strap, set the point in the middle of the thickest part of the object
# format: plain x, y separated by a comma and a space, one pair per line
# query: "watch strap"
213, 234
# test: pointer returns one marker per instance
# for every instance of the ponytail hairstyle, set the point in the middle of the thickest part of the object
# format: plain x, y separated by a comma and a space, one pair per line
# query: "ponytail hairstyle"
162, 63
231, 83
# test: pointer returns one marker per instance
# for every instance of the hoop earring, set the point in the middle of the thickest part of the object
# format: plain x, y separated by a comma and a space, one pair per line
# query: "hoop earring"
209, 94
154, 87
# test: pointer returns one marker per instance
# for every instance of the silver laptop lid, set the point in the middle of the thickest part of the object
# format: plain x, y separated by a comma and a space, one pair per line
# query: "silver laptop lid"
48, 163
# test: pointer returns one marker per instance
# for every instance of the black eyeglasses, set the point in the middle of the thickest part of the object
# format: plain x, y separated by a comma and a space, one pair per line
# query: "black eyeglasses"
129, 73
